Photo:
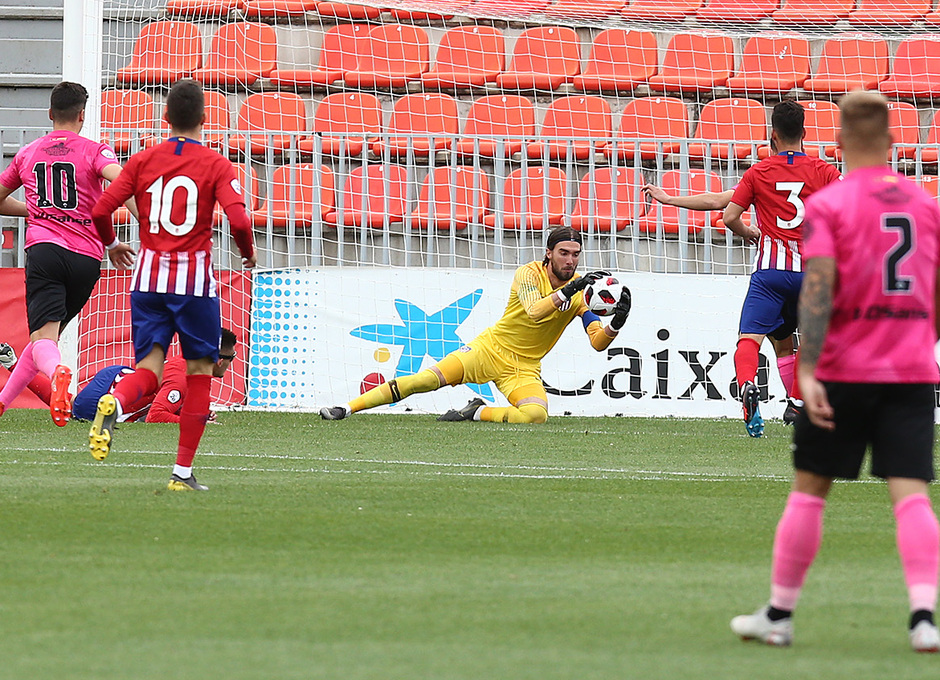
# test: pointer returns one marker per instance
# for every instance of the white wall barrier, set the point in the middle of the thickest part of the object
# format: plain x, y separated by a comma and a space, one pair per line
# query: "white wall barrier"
320, 335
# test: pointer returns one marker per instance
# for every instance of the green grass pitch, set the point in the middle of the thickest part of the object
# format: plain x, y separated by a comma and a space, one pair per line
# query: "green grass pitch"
388, 547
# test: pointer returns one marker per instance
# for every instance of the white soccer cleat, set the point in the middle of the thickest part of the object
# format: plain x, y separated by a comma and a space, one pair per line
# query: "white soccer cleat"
758, 626
7, 356
925, 637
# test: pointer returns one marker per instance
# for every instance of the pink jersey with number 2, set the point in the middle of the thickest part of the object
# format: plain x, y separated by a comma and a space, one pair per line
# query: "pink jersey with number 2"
884, 233
61, 174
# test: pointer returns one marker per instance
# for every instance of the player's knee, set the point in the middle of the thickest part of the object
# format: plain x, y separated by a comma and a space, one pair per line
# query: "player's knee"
534, 413
422, 381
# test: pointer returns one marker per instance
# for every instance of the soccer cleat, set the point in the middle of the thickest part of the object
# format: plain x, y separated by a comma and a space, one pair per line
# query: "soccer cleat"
758, 626
178, 483
334, 412
466, 413
7, 356
792, 412
60, 401
750, 398
925, 637
102, 428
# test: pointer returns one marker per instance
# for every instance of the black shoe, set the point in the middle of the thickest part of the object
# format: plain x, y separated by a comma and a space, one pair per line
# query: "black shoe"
466, 413
333, 412
750, 398
792, 412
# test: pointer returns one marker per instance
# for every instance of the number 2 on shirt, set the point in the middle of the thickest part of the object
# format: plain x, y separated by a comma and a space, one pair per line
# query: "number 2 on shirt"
892, 281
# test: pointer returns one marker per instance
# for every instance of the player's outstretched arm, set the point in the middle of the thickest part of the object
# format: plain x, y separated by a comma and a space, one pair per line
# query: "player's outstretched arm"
732, 220
707, 201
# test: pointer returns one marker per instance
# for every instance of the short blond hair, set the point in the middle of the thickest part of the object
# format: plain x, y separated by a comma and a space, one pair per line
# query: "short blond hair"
864, 126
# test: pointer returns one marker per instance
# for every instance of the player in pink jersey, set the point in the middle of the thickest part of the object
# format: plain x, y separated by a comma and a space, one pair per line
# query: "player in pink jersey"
173, 291
869, 324
61, 174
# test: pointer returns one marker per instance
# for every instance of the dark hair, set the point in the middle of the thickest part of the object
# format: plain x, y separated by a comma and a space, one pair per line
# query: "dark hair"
787, 120
561, 234
185, 105
67, 101
229, 339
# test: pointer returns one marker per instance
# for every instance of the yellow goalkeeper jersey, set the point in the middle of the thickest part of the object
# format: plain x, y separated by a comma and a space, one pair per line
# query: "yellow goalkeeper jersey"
531, 325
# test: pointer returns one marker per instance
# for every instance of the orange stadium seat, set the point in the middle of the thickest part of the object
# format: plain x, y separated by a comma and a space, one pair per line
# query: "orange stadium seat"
345, 122
849, 62
585, 9
813, 12
467, 56
248, 179
130, 114
695, 62
278, 8
615, 202
293, 195
428, 10
393, 56
930, 184
733, 121
904, 122
890, 13
577, 126
660, 10
340, 52
696, 182
452, 198
423, 122
342, 10
373, 196
658, 119
620, 61
268, 118
533, 198
737, 11
203, 9
164, 52
931, 152
916, 70
772, 63
500, 122
240, 54
516, 8
543, 58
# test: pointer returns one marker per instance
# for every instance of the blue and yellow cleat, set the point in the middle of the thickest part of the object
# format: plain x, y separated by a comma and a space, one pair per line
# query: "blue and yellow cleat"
750, 397
102, 428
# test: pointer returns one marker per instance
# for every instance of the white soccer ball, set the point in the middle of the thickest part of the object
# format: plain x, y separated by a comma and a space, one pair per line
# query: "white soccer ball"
601, 296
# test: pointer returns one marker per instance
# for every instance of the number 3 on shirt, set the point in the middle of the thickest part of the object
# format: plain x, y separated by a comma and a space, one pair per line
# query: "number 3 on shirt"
793, 199
893, 282
161, 204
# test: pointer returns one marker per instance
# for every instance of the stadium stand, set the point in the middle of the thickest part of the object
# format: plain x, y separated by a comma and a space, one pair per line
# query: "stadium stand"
660, 10
467, 57
736, 11
695, 63
915, 72
669, 216
772, 64
420, 124
815, 13
203, 9
452, 197
850, 62
501, 124
619, 62
585, 9
342, 10
393, 56
240, 54
269, 119
164, 52
577, 126
663, 119
343, 123
127, 119
542, 59
608, 199
736, 122
273, 9
340, 52
372, 196
892, 13
296, 193
533, 198
931, 152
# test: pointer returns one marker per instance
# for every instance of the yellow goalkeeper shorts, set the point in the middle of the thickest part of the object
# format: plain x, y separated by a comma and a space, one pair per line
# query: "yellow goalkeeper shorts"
484, 360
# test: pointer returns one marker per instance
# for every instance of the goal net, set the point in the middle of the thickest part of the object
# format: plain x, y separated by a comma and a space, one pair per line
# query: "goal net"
402, 159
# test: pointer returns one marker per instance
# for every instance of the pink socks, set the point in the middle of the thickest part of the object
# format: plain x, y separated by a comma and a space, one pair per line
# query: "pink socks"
24, 371
46, 355
918, 536
785, 365
798, 537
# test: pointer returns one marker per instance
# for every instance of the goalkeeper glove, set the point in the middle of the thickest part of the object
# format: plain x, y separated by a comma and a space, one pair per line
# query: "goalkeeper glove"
580, 283
622, 309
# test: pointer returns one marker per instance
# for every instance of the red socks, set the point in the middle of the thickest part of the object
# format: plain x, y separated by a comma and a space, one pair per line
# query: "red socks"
746, 361
193, 417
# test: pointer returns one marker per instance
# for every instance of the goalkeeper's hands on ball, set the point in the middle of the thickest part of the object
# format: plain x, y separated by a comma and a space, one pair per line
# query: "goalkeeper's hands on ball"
577, 285
622, 309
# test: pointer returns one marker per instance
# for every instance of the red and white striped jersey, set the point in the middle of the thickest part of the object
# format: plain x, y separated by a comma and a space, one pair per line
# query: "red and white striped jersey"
180, 273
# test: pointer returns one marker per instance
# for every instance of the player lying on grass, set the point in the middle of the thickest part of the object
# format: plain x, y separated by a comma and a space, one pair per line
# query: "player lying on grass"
868, 314
163, 406
545, 297
777, 188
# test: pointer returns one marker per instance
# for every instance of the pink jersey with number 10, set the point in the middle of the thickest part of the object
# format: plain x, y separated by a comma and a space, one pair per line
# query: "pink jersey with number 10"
884, 233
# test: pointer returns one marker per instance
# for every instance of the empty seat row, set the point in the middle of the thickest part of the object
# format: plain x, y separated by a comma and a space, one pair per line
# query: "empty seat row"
803, 12
391, 56
420, 124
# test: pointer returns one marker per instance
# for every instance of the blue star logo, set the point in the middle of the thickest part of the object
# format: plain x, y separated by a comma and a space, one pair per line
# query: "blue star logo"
422, 335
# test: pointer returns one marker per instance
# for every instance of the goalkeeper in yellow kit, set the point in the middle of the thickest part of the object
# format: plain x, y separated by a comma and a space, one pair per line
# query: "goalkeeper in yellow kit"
545, 297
